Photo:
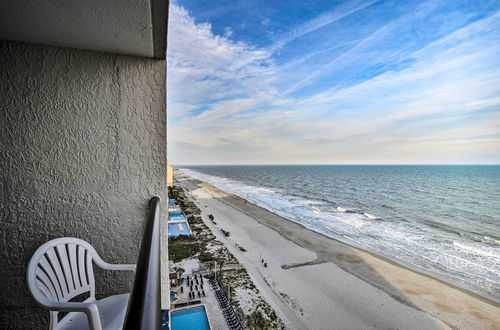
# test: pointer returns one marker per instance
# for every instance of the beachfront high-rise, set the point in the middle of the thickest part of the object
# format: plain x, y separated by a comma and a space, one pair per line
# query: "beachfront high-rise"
83, 140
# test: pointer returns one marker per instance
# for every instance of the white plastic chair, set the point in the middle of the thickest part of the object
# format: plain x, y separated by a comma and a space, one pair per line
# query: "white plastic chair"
61, 270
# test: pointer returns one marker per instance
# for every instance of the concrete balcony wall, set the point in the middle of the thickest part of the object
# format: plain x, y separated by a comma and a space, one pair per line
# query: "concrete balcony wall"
83, 148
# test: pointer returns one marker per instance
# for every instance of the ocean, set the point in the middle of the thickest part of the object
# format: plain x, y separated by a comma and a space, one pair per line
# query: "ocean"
440, 219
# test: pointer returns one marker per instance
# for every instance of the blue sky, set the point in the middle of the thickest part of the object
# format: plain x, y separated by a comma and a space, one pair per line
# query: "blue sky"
333, 82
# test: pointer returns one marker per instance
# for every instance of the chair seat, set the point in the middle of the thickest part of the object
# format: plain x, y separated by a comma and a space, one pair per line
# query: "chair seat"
111, 310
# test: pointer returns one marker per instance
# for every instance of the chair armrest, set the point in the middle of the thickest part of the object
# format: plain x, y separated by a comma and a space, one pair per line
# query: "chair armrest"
89, 308
105, 265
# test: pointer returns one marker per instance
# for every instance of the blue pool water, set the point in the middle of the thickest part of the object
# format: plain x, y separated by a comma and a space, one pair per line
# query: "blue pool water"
192, 319
176, 216
178, 229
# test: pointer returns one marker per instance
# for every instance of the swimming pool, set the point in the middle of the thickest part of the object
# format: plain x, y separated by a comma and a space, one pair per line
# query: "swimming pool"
176, 216
173, 210
178, 229
192, 318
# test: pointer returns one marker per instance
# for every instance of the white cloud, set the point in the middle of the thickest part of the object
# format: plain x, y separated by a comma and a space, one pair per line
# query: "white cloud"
205, 67
345, 9
357, 53
228, 32
180, 109
441, 108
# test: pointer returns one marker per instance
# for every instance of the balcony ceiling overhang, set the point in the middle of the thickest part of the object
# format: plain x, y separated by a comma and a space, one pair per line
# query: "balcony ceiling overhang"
130, 27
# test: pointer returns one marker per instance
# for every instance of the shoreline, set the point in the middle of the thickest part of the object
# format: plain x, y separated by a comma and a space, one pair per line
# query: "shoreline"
444, 278
366, 266
486, 297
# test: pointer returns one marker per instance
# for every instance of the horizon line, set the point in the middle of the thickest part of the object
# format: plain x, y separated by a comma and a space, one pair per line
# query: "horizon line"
347, 164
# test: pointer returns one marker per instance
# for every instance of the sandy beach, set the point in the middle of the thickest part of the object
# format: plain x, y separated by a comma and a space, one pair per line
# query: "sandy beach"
315, 282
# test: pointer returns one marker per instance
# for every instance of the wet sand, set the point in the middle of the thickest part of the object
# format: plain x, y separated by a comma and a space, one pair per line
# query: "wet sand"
316, 282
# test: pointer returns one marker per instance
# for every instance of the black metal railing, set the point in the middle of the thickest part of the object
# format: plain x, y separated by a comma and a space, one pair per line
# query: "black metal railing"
144, 308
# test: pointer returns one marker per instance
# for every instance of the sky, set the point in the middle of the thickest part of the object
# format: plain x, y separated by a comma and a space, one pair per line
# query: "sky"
333, 82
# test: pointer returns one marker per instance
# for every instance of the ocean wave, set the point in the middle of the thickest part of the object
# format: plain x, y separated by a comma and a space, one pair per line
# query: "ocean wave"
370, 216
440, 250
395, 233
315, 209
351, 221
490, 240
478, 250
267, 190
429, 246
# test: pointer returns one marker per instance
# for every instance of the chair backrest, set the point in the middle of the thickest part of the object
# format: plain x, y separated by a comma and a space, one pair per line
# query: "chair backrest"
60, 270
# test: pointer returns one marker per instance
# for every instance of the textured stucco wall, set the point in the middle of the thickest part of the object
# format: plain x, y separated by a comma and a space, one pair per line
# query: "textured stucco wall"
114, 26
83, 148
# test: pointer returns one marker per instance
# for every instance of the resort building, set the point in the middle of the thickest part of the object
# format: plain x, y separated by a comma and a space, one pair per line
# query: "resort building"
177, 221
83, 151
170, 176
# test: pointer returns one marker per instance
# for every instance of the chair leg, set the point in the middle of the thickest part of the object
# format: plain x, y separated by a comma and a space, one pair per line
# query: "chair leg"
94, 318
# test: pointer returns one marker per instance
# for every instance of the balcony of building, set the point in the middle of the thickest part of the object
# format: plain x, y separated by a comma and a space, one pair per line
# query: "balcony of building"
83, 148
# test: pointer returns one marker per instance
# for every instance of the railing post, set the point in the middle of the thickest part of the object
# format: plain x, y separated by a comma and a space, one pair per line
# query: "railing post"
144, 308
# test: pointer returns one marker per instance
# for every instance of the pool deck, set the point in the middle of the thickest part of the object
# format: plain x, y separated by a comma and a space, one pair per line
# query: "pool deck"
214, 313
